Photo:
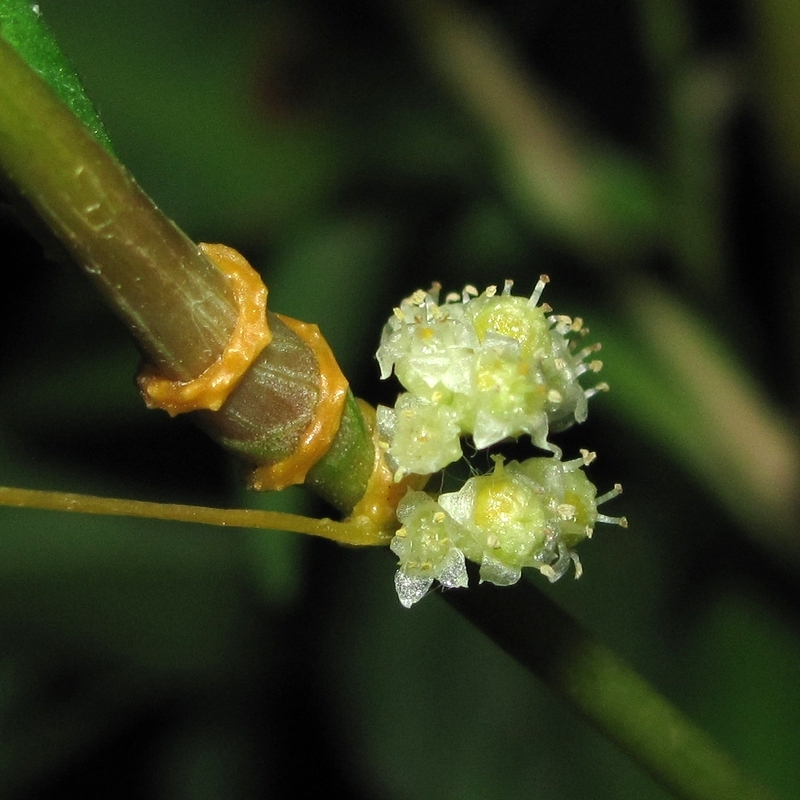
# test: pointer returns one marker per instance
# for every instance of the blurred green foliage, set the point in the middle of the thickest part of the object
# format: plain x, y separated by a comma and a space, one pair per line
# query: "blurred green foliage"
354, 152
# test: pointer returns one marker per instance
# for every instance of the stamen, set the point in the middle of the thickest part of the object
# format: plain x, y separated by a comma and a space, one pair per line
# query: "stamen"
467, 292
537, 290
601, 387
621, 521
588, 350
585, 459
562, 323
610, 495
566, 511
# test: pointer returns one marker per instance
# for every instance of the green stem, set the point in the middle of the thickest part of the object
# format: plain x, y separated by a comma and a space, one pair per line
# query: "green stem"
172, 298
612, 696
353, 533
146, 268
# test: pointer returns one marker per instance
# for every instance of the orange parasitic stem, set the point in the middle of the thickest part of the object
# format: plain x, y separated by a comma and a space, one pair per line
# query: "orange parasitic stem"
377, 509
250, 336
321, 431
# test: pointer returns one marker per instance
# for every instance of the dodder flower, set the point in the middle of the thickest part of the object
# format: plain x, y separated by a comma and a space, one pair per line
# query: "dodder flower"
522, 514
493, 366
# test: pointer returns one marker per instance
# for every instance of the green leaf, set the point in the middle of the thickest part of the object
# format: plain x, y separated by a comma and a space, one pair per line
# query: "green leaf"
21, 24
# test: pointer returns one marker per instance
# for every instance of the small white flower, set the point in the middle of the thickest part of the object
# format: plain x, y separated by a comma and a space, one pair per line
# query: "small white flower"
426, 548
494, 365
423, 437
528, 514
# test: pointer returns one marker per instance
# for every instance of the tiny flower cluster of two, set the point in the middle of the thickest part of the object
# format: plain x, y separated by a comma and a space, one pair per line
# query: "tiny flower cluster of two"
492, 366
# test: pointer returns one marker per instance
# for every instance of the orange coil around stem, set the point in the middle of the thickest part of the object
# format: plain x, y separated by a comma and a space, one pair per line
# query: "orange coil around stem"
250, 335
377, 509
321, 431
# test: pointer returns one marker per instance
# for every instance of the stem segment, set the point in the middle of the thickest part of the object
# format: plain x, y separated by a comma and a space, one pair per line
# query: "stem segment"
174, 300
342, 532
148, 270
613, 697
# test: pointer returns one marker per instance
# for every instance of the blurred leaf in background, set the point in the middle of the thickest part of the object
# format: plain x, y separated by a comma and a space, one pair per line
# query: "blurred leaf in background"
635, 152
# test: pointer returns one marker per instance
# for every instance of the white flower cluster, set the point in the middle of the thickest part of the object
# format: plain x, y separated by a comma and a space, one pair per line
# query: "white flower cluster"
522, 514
492, 366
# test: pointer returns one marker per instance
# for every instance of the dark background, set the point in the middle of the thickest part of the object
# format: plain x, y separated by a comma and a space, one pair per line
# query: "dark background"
646, 155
